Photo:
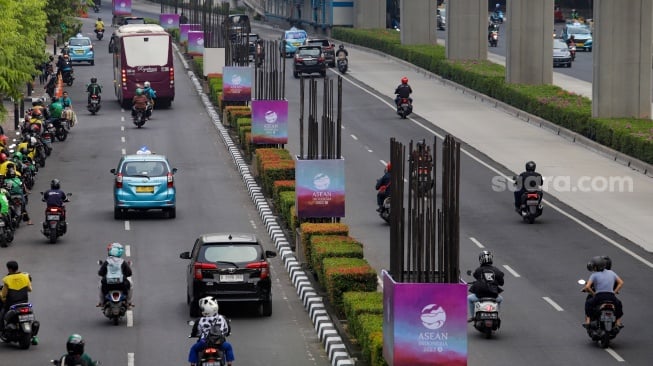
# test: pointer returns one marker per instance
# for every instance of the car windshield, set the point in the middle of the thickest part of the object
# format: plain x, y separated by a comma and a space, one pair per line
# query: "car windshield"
296, 35
144, 168
253, 38
79, 42
229, 253
579, 30
315, 52
558, 44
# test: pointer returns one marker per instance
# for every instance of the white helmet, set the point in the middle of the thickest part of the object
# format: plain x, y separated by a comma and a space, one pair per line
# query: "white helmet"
209, 306
147, 84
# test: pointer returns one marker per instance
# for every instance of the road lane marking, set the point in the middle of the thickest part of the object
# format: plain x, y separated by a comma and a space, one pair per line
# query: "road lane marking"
614, 354
128, 251
122, 128
354, 137
123, 151
478, 160
383, 162
127, 225
122, 118
122, 139
478, 243
553, 303
369, 149
130, 359
512, 271
130, 318
253, 223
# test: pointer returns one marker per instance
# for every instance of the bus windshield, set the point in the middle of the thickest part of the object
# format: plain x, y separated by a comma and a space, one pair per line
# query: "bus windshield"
150, 50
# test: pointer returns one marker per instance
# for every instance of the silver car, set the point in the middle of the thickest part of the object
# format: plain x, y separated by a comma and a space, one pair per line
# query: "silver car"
442, 18
561, 54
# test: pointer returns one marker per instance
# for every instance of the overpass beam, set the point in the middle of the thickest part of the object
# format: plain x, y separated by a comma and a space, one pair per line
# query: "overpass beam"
418, 21
369, 14
467, 30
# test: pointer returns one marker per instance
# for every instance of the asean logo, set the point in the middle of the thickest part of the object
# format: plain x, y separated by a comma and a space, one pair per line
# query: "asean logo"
433, 316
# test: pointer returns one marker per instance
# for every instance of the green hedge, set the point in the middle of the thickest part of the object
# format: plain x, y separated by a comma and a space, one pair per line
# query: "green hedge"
329, 246
278, 187
356, 304
630, 136
198, 65
347, 274
309, 229
369, 333
287, 200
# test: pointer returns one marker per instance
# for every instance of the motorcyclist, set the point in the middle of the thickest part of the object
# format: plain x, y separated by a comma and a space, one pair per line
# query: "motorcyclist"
602, 285
94, 89
571, 41
151, 95
56, 107
15, 186
492, 27
55, 197
65, 50
383, 187
4, 210
342, 51
4, 164
99, 25
528, 181
203, 327
139, 102
574, 14
115, 272
75, 355
15, 288
403, 91
64, 65
488, 280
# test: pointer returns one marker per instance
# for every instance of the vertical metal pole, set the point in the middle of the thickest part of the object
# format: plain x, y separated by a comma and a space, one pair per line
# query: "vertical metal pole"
339, 120
301, 118
16, 115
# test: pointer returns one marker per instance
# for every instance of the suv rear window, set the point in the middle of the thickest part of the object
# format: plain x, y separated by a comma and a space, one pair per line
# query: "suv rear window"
229, 253
318, 42
313, 51
144, 168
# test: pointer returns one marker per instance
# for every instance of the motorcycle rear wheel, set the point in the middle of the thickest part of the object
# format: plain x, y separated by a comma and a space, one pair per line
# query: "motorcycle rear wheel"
25, 341
604, 342
53, 236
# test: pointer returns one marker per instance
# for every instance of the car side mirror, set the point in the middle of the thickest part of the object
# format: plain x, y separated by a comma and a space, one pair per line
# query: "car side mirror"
113, 171
174, 170
184, 255
270, 253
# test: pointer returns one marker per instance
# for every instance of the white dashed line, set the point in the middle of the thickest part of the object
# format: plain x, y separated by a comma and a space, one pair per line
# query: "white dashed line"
130, 318
478, 243
128, 251
553, 303
122, 128
122, 139
354, 137
130, 359
383, 163
122, 119
512, 271
123, 151
127, 225
253, 223
614, 354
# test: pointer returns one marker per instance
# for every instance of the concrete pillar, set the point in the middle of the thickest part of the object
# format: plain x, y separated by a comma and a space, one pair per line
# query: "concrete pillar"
418, 21
369, 14
622, 58
466, 30
529, 37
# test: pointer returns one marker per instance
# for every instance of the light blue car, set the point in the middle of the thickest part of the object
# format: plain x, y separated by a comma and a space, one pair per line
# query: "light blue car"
81, 49
293, 38
142, 182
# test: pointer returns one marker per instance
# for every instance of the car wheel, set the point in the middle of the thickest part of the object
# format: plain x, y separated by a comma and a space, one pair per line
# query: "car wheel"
117, 213
93, 63
172, 213
265, 308
295, 74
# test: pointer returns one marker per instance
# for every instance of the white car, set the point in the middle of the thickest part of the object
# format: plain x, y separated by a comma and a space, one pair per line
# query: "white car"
561, 54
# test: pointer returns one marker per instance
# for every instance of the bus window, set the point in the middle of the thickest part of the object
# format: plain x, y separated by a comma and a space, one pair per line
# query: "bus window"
146, 51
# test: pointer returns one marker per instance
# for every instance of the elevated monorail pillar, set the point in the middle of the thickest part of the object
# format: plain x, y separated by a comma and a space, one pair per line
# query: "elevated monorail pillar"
467, 29
369, 14
418, 21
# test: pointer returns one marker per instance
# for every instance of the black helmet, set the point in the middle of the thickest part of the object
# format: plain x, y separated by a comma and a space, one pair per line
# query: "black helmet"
93, 80
75, 345
608, 262
55, 184
485, 257
530, 166
341, 47
597, 264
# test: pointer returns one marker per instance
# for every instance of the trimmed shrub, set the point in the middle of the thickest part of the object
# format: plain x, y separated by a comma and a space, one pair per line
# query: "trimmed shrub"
329, 246
272, 171
287, 200
309, 229
278, 187
369, 333
294, 222
347, 274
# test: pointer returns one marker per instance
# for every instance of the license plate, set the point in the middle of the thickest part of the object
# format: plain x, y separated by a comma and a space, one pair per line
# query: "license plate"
296, 44
211, 364
52, 217
231, 278
25, 317
94, 101
79, 52
532, 203
579, 44
607, 316
145, 189
485, 316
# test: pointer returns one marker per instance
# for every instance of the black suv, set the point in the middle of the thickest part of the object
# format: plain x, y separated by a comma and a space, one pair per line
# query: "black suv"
231, 267
328, 49
236, 24
309, 59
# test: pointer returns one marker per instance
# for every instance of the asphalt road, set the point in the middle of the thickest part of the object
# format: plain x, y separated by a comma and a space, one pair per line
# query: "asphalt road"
211, 198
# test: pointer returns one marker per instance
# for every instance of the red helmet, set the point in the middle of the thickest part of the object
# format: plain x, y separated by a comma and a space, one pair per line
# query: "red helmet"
404, 80
35, 127
3, 157
388, 167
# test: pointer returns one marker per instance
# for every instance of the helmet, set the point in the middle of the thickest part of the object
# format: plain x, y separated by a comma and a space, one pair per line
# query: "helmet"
404, 80
18, 155
55, 184
115, 250
32, 140
37, 112
65, 44
530, 166
146, 84
139, 91
597, 264
388, 167
498, 6
99, 19
209, 306
341, 47
485, 257
75, 345
608, 262
93, 80
51, 58
3, 157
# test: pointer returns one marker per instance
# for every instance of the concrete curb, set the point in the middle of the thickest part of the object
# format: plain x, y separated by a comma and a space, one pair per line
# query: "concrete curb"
324, 326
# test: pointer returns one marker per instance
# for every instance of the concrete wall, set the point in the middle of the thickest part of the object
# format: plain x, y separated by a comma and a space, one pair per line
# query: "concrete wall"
529, 37
418, 21
466, 29
369, 14
622, 58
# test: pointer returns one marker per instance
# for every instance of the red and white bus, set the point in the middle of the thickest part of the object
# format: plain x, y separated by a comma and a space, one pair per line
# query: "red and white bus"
143, 52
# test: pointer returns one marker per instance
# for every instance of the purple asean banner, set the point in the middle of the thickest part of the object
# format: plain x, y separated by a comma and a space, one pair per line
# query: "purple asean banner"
185, 28
196, 43
122, 7
237, 83
169, 21
320, 188
424, 324
269, 122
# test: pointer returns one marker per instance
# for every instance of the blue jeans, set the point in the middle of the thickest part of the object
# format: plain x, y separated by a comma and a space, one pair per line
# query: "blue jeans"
472, 298
199, 345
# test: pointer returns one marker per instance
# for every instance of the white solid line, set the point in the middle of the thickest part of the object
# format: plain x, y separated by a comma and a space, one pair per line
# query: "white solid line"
130, 318
123, 151
130, 359
122, 138
553, 303
614, 354
128, 250
354, 137
512, 271
478, 160
127, 225
478, 243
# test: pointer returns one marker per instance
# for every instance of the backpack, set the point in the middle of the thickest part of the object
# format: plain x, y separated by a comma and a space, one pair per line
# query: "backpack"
489, 283
114, 271
69, 360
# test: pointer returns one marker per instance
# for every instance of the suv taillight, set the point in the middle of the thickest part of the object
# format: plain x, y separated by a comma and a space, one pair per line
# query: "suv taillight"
119, 180
198, 267
263, 266
171, 181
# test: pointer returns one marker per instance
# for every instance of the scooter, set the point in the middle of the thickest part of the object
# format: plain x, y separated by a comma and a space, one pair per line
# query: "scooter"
531, 206
404, 108
21, 326
99, 34
343, 63
94, 106
54, 225
67, 77
385, 210
572, 51
602, 328
6, 233
140, 117
115, 302
486, 314
494, 38
212, 354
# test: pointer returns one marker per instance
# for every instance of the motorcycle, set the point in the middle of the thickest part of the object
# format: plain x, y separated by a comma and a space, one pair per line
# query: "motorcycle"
29, 171
486, 314
16, 209
404, 108
6, 233
140, 117
496, 16
385, 210
21, 326
572, 51
96, 8
115, 302
61, 129
67, 77
54, 225
531, 206
94, 106
62, 361
494, 38
602, 328
342, 64
212, 354
99, 33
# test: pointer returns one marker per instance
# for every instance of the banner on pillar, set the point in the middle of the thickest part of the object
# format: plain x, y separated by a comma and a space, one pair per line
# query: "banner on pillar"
195, 43
122, 7
269, 122
424, 324
320, 188
237, 83
185, 28
169, 21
